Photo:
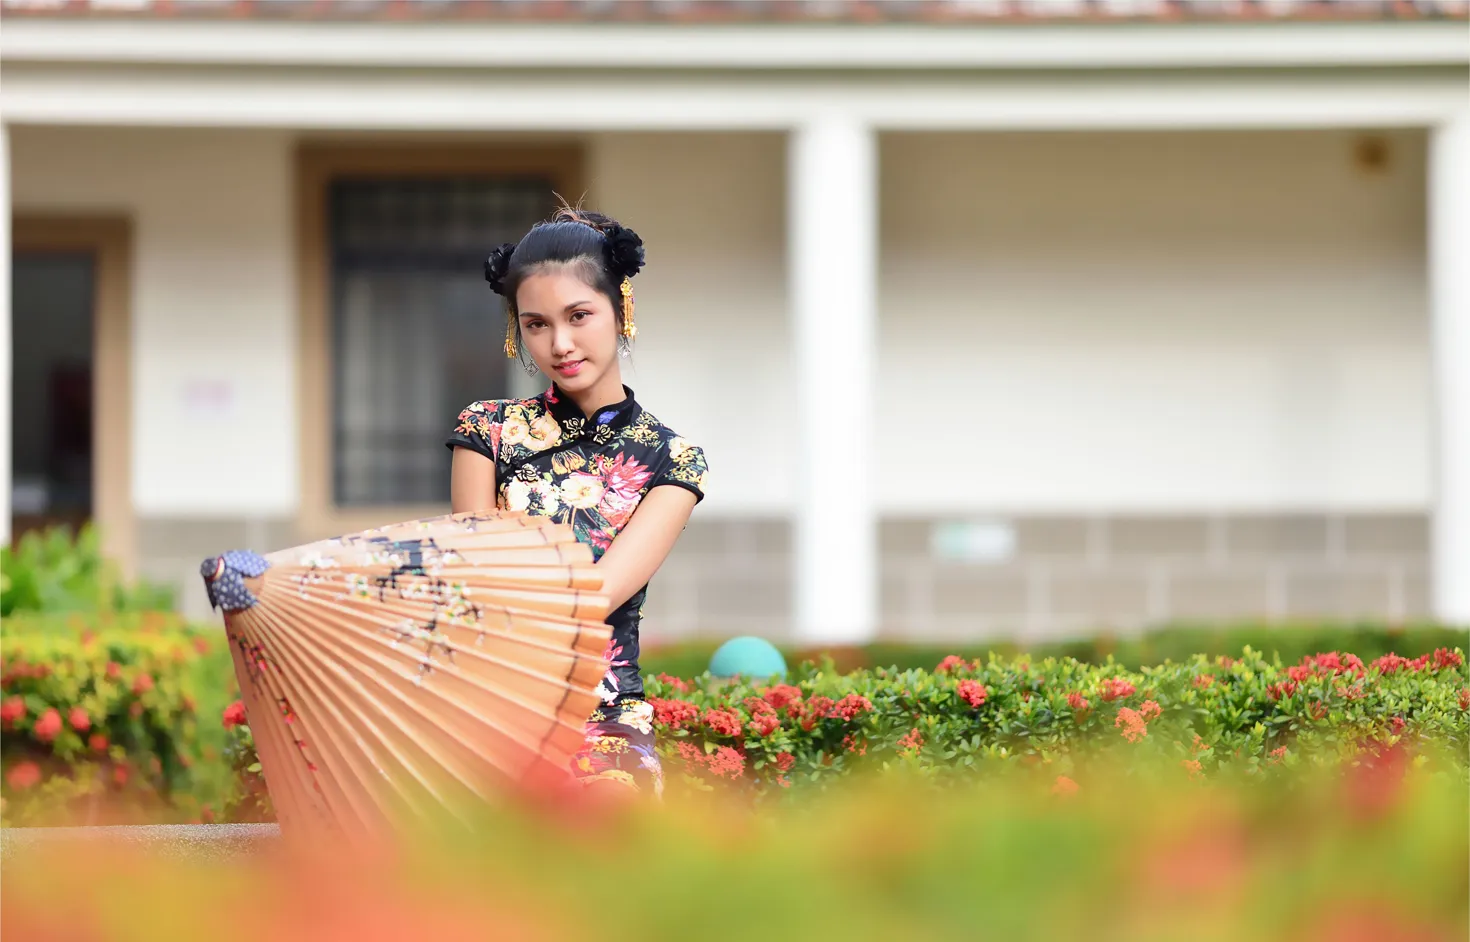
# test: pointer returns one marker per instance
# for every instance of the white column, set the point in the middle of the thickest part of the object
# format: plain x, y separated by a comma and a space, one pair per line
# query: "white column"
5, 364
1449, 292
832, 192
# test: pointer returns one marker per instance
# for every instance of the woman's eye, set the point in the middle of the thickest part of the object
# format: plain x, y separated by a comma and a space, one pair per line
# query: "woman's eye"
535, 325
579, 315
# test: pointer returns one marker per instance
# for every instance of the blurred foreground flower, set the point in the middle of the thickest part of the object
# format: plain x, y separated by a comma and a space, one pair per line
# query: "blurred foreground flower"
1137, 854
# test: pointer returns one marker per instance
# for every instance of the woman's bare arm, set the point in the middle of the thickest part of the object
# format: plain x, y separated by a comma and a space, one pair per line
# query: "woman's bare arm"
644, 542
471, 482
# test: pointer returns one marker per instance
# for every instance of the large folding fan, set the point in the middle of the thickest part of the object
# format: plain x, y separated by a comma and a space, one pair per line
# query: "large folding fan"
399, 673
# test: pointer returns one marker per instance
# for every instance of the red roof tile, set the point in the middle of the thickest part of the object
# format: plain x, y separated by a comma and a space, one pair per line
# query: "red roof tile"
755, 11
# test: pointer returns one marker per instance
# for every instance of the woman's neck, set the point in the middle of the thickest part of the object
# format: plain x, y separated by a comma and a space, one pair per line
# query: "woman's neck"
606, 392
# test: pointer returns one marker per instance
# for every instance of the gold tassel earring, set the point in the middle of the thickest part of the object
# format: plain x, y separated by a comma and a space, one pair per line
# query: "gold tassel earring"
510, 333
630, 330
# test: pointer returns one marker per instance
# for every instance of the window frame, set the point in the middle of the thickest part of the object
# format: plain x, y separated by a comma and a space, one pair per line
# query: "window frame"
318, 165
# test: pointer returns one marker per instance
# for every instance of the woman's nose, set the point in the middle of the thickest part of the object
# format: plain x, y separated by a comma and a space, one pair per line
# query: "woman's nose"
561, 340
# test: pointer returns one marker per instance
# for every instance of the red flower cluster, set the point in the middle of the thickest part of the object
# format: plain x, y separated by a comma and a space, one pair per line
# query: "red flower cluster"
1064, 786
816, 709
97, 742
951, 662
48, 725
722, 722
79, 719
764, 724
1445, 658
1441, 659
1193, 767
142, 684
1204, 681
852, 706
784, 761
681, 686
1132, 723
726, 762
972, 692
234, 715
1465, 699
24, 774
911, 742
11, 710
1281, 688
723, 761
1078, 703
783, 695
1115, 688
23, 671
674, 714
850, 743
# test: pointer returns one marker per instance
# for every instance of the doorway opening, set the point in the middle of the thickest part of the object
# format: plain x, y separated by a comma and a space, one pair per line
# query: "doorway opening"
53, 299
70, 397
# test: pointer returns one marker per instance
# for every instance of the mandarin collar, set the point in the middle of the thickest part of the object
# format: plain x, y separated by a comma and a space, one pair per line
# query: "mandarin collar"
575, 424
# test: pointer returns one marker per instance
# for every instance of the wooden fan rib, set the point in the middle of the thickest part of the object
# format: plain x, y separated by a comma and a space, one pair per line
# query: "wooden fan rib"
386, 576
431, 733
293, 811
575, 643
507, 528
382, 627
377, 758
513, 549
299, 802
321, 746
400, 667
572, 606
589, 643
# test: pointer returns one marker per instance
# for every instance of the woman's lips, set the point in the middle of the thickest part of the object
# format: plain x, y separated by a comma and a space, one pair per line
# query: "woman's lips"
570, 368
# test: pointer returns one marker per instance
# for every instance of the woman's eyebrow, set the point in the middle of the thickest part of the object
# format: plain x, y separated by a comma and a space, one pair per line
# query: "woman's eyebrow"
576, 304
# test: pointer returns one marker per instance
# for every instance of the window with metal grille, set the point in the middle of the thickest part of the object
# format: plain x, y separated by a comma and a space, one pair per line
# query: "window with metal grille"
417, 333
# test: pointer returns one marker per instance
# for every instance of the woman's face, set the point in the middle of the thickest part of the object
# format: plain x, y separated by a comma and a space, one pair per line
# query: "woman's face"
569, 328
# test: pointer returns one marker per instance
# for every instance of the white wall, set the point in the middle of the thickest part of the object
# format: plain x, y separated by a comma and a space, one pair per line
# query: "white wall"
214, 302
1152, 322
1069, 322
713, 352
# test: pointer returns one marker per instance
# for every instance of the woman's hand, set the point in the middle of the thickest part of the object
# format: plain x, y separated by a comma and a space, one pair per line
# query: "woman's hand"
644, 542
471, 482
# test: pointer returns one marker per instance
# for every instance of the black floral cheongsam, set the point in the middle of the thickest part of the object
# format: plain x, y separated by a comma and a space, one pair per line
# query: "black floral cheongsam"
551, 460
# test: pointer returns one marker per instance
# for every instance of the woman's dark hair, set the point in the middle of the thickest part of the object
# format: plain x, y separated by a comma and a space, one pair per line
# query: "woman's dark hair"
600, 250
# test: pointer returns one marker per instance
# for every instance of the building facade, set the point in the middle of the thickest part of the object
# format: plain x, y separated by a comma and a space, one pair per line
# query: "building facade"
991, 323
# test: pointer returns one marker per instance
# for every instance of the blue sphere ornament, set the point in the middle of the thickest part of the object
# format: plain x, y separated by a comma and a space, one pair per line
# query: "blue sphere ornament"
750, 657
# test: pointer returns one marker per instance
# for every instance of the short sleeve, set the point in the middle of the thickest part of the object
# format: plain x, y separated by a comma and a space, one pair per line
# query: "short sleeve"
684, 467
478, 429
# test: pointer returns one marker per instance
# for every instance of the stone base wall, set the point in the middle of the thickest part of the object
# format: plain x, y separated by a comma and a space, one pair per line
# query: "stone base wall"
1062, 575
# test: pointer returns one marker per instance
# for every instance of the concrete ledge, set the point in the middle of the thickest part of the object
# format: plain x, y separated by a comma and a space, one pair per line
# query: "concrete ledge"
213, 841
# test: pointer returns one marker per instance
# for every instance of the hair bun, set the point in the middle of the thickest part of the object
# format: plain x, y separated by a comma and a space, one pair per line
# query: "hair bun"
497, 265
624, 251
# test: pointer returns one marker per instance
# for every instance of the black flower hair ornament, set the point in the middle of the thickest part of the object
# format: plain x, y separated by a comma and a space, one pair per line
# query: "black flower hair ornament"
497, 266
624, 252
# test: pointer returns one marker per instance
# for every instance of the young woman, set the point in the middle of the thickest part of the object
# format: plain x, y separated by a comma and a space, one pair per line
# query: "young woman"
584, 452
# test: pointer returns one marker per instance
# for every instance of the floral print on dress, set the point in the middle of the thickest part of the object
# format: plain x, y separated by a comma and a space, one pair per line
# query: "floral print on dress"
590, 473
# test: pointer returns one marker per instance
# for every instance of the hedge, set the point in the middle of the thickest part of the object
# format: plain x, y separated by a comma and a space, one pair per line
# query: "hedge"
69, 682
112, 717
1291, 641
55, 571
1246, 714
